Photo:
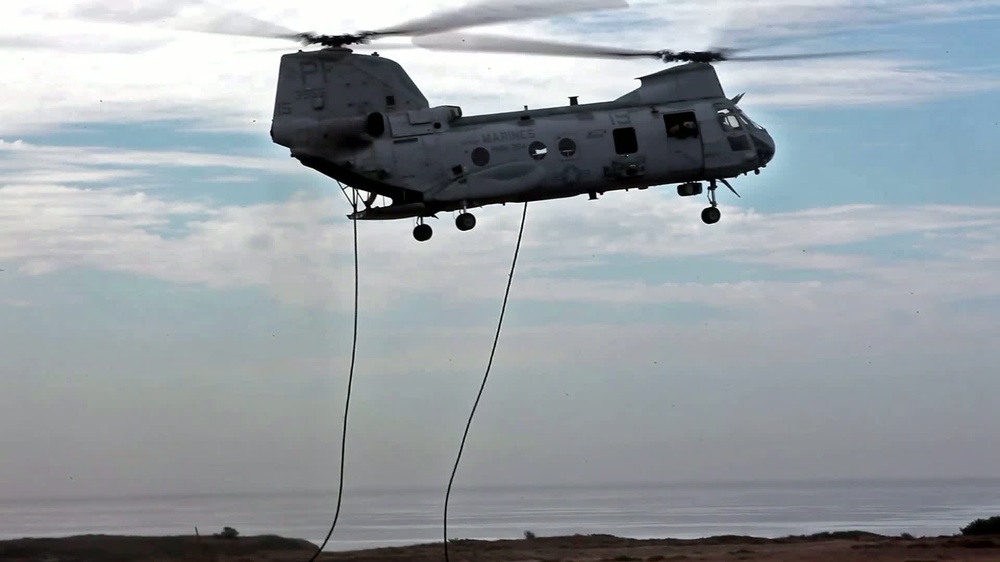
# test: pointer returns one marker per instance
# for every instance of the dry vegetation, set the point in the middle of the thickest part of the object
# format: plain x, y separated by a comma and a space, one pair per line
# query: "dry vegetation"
825, 547
112, 548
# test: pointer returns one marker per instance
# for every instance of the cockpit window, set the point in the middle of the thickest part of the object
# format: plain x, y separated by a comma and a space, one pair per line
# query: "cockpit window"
729, 120
747, 120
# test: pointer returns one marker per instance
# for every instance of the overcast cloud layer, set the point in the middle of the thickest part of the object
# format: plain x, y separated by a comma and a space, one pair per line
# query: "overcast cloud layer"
177, 304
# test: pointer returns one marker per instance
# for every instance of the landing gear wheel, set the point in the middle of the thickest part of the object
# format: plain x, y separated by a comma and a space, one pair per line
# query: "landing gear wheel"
465, 221
422, 232
711, 215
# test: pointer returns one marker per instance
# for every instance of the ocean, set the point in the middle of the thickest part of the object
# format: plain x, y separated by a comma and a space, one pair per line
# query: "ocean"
388, 518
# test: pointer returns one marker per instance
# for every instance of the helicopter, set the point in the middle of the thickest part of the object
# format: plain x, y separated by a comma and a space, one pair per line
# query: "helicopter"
361, 120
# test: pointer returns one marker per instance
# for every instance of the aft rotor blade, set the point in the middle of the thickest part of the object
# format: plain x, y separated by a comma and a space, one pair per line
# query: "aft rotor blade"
486, 12
504, 44
198, 17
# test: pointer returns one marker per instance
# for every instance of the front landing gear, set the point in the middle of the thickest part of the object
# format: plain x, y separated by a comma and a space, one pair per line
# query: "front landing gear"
422, 232
711, 214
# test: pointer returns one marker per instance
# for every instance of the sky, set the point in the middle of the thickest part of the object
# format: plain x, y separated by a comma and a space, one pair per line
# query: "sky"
176, 292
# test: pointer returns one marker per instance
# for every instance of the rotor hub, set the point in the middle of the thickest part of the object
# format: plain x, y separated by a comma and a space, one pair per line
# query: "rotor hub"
692, 56
361, 38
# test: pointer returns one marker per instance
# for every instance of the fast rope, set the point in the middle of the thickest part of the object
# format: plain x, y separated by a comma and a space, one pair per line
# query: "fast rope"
350, 381
482, 386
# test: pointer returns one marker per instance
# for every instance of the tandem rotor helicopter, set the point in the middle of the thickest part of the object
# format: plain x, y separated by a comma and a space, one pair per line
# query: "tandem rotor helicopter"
362, 121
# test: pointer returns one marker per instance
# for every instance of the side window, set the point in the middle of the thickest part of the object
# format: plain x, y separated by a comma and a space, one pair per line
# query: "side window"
537, 150
681, 125
567, 147
625, 140
480, 156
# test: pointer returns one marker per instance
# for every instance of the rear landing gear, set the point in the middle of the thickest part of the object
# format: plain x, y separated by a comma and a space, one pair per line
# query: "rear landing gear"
465, 221
422, 232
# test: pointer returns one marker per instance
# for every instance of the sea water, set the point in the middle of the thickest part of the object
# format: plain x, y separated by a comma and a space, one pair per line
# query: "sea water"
399, 517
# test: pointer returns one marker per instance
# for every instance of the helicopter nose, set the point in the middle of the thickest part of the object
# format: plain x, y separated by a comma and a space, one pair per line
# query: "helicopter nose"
765, 147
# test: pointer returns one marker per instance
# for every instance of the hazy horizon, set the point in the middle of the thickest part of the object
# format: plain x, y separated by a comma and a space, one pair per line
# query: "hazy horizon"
439, 488
394, 519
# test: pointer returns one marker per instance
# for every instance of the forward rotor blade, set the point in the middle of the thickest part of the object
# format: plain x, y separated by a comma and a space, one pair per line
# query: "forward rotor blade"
470, 42
504, 44
486, 12
804, 56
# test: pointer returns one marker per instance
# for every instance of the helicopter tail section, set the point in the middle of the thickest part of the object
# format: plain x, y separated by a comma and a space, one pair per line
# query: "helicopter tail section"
335, 95
331, 109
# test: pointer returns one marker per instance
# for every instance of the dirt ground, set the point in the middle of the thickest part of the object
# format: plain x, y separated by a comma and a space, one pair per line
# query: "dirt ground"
826, 547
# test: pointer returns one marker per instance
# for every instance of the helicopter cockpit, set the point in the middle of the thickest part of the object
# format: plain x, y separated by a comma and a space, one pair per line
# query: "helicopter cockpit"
735, 120
761, 138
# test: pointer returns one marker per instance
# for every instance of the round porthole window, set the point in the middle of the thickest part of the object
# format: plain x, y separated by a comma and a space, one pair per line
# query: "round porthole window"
480, 156
567, 147
537, 150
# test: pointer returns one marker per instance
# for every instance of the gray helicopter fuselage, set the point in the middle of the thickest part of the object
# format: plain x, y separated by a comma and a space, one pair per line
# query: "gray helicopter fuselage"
360, 119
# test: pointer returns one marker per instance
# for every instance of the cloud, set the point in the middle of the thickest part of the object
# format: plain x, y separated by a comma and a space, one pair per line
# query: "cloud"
228, 81
28, 163
87, 43
752, 23
640, 218
103, 156
300, 249
864, 82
